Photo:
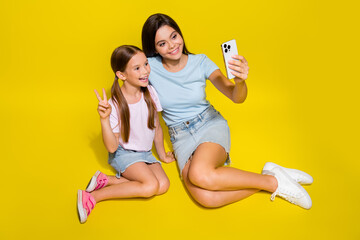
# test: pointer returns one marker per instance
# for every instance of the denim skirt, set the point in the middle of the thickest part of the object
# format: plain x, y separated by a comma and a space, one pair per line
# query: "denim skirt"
208, 126
122, 158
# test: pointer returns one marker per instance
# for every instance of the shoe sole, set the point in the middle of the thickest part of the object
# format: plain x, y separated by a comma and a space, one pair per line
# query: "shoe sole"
269, 166
93, 182
82, 215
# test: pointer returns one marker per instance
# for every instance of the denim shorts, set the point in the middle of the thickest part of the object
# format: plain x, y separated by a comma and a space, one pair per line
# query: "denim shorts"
122, 158
208, 126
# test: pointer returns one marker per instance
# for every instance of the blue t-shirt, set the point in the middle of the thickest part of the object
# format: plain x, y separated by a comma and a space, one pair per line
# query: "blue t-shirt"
182, 94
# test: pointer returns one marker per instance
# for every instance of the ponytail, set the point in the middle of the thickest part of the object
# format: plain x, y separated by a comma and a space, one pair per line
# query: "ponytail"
151, 107
122, 109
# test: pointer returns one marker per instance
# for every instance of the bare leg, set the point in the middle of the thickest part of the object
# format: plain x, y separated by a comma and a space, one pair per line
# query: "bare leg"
138, 185
112, 180
207, 171
213, 199
161, 176
156, 168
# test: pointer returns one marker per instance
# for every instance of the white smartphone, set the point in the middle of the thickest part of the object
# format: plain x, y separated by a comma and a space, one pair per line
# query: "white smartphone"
229, 49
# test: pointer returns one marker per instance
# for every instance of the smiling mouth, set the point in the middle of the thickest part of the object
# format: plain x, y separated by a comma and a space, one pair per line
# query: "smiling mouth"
144, 79
175, 51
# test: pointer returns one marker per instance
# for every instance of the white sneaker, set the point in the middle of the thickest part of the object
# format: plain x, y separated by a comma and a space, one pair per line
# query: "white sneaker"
290, 190
299, 176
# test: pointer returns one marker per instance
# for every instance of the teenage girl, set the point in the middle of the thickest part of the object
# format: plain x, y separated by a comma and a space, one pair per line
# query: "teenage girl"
130, 125
199, 134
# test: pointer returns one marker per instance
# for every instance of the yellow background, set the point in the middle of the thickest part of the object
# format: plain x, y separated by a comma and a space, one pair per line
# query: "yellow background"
301, 112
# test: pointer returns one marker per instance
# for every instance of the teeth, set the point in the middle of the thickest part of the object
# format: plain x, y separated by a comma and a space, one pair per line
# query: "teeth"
173, 51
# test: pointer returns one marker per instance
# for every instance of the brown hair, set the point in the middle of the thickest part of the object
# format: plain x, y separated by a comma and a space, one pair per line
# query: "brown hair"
119, 60
152, 24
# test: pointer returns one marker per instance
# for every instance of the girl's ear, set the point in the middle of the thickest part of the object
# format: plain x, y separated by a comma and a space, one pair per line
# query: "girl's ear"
120, 75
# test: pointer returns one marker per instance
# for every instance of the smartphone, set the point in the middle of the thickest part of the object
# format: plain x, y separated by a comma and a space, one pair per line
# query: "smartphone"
229, 49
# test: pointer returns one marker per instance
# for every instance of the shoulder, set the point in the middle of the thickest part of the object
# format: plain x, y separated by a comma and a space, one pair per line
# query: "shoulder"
151, 89
154, 97
112, 104
199, 58
111, 101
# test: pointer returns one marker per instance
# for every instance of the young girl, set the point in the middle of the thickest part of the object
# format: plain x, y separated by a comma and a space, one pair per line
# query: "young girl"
199, 134
129, 124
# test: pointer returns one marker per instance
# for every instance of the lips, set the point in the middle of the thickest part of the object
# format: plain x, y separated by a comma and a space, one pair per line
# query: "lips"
144, 79
175, 51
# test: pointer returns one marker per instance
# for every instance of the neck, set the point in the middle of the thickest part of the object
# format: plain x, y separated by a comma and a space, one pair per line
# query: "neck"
175, 65
131, 93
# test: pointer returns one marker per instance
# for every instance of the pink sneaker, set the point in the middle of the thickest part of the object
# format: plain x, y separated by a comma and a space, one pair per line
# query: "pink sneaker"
99, 180
85, 203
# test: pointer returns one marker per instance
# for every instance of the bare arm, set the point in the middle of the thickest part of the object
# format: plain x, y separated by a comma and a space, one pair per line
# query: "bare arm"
237, 91
159, 143
110, 139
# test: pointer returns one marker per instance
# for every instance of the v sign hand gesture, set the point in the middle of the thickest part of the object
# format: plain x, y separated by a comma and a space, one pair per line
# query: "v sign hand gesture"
104, 108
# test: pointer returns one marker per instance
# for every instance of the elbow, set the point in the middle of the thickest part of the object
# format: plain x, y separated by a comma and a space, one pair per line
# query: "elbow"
112, 149
239, 100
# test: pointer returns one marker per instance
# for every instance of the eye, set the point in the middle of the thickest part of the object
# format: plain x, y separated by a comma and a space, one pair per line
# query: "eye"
161, 44
146, 64
137, 68
174, 36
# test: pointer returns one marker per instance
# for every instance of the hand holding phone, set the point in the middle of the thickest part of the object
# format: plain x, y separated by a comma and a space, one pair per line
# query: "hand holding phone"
229, 49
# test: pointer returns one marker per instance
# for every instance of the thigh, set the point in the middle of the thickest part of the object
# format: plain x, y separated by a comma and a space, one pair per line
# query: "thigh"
208, 156
140, 172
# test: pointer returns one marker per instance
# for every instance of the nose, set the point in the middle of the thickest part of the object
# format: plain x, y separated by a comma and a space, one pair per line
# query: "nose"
171, 45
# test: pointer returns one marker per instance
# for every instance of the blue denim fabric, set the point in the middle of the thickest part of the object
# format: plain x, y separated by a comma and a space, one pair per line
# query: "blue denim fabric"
208, 126
122, 158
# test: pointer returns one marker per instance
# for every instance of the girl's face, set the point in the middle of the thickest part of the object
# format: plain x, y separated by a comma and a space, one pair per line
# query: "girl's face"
168, 43
137, 71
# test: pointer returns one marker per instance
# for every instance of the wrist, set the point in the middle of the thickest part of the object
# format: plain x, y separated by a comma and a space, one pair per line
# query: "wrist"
105, 119
162, 156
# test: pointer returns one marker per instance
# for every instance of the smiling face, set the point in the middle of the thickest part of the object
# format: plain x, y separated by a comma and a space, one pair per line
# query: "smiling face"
169, 43
137, 71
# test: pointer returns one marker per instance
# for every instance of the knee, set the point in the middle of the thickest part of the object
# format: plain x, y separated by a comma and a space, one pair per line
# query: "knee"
164, 185
201, 178
150, 188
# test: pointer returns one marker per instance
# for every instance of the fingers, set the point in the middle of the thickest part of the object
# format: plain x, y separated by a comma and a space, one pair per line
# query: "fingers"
170, 156
102, 109
239, 67
97, 95
104, 105
242, 76
104, 94
241, 58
